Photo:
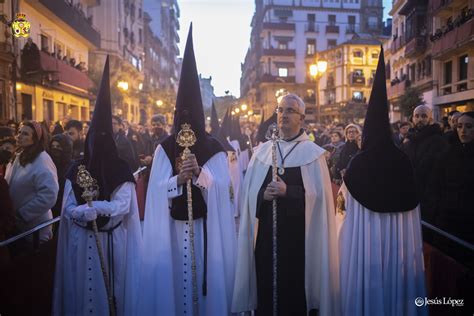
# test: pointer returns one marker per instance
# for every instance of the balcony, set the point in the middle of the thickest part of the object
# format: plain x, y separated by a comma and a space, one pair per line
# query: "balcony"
396, 90
311, 27
454, 39
351, 29
72, 17
415, 46
278, 52
332, 29
278, 26
45, 69
397, 43
355, 79
268, 78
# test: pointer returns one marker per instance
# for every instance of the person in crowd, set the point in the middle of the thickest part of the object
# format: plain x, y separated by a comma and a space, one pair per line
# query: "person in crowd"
147, 142
33, 181
85, 129
124, 147
168, 285
7, 147
7, 212
159, 134
57, 129
451, 135
321, 136
348, 151
450, 188
340, 127
60, 150
379, 239
74, 129
402, 133
424, 145
79, 284
334, 151
134, 138
307, 279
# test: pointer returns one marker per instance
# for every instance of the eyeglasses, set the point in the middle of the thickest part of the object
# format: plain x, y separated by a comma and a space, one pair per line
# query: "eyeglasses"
287, 111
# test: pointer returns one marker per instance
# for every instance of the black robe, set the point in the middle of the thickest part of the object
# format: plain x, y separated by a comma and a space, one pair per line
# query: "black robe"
291, 247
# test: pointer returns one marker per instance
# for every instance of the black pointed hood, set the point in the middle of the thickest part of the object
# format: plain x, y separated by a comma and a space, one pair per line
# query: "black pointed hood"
214, 121
263, 128
236, 133
224, 132
380, 176
100, 153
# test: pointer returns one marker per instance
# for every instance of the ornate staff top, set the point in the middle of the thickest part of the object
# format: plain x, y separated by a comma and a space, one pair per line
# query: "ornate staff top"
186, 138
87, 183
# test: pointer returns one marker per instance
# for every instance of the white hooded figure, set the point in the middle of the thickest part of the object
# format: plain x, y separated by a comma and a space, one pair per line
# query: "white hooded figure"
79, 286
170, 283
379, 235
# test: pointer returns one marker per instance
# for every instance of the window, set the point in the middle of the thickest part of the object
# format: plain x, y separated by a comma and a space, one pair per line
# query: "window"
375, 55
282, 72
373, 22
332, 43
44, 43
310, 46
448, 69
282, 45
357, 96
140, 36
332, 19
358, 53
48, 110
463, 63
311, 18
358, 72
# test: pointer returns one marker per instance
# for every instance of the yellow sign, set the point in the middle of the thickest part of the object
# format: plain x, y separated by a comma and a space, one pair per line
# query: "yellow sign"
20, 26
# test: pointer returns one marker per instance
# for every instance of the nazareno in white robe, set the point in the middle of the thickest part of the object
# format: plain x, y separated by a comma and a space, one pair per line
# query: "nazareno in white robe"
236, 177
79, 287
166, 286
321, 258
381, 256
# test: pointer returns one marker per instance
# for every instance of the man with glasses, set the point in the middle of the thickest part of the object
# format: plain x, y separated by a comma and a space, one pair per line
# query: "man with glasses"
307, 265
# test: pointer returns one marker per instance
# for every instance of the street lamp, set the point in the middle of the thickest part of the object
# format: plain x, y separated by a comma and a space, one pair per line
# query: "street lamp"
237, 110
159, 103
243, 107
122, 85
316, 71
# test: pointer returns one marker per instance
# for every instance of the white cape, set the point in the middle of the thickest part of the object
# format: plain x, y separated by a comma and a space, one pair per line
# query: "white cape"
166, 287
79, 285
321, 260
381, 255
236, 176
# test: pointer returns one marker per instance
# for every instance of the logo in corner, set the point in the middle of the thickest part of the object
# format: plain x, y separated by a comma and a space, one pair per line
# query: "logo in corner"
419, 301
20, 26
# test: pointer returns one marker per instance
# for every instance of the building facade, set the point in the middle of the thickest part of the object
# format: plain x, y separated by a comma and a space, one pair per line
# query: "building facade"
346, 86
452, 42
285, 37
51, 79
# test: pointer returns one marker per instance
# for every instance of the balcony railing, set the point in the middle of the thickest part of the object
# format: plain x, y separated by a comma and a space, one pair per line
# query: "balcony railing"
454, 38
398, 88
278, 26
74, 18
278, 52
332, 28
415, 46
397, 43
312, 27
270, 78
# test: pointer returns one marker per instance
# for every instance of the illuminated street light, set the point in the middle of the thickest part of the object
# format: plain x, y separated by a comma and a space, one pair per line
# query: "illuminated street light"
122, 85
233, 113
140, 86
250, 112
237, 110
208, 118
159, 103
243, 107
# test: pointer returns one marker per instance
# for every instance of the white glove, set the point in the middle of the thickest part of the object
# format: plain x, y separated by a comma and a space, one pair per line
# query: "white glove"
78, 212
90, 214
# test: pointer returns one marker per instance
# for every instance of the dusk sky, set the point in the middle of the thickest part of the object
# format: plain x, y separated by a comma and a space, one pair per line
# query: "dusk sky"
221, 32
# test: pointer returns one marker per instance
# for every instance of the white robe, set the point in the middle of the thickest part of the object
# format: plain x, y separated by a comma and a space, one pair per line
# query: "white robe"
321, 260
79, 285
381, 255
166, 287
